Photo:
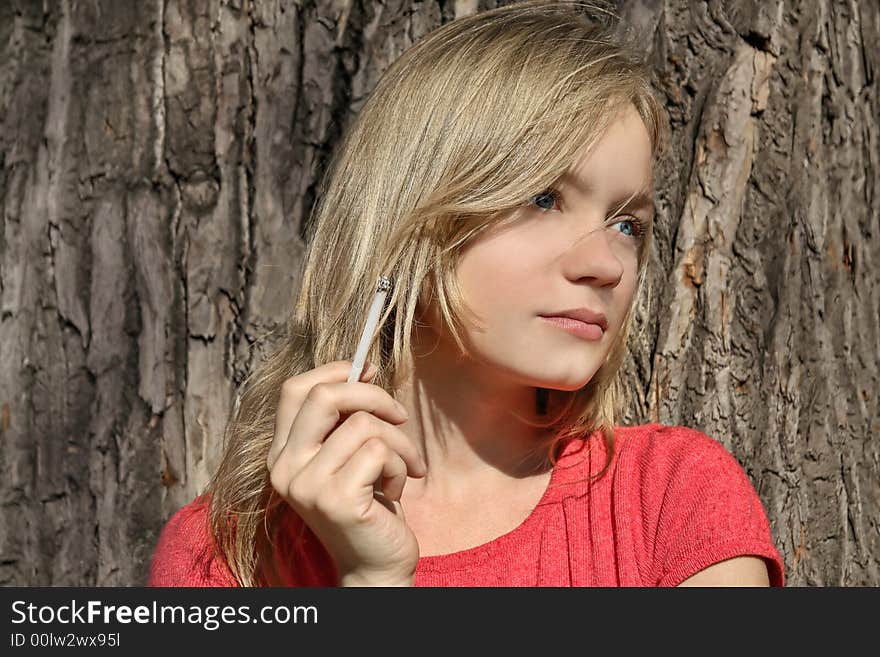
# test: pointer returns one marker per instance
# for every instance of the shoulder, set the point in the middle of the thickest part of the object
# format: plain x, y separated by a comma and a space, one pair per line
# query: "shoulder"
690, 501
184, 554
650, 455
668, 441
661, 452
668, 465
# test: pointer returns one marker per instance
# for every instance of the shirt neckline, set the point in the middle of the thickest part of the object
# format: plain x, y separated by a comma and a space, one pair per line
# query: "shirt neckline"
564, 472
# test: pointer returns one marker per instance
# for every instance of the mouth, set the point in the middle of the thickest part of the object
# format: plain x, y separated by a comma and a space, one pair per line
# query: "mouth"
583, 314
585, 330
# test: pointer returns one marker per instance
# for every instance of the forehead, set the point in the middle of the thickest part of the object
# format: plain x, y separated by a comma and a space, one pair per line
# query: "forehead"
619, 164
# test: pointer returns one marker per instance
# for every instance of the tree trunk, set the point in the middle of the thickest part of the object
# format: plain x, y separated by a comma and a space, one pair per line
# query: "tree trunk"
158, 163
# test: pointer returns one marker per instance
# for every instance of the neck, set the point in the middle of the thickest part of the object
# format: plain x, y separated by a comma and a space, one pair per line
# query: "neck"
474, 425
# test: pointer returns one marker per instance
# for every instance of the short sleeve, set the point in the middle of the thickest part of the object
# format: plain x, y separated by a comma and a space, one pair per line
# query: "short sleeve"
708, 510
183, 556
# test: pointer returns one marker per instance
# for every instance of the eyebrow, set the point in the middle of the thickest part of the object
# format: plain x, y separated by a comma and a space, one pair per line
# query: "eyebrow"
642, 198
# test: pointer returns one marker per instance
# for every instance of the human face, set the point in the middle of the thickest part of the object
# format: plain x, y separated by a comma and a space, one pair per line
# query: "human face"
565, 250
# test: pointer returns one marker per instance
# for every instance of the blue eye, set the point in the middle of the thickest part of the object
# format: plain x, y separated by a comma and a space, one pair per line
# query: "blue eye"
545, 200
624, 222
548, 200
636, 229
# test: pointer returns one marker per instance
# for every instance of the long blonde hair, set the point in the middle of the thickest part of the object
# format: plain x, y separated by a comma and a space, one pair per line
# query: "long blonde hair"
461, 130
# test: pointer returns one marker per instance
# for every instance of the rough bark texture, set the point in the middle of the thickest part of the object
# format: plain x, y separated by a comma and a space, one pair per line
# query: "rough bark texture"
159, 159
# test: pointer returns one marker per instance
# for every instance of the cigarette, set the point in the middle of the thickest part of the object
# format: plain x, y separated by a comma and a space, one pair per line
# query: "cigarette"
360, 355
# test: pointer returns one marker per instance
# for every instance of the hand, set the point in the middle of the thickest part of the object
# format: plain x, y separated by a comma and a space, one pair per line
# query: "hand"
341, 463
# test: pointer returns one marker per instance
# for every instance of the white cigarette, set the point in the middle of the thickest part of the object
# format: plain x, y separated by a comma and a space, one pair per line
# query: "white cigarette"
369, 328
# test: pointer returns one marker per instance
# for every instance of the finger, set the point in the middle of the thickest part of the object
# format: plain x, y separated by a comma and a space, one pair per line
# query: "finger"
324, 408
294, 392
392, 487
374, 460
350, 436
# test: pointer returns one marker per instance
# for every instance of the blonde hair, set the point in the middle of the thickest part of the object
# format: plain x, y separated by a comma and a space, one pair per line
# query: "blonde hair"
459, 132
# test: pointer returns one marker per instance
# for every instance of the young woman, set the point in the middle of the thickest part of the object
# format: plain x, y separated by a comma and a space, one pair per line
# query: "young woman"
501, 175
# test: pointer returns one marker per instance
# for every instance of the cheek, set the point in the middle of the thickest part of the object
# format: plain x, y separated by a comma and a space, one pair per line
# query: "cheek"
493, 273
625, 292
627, 251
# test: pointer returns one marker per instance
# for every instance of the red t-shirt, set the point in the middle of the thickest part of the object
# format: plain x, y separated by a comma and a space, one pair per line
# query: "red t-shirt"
673, 502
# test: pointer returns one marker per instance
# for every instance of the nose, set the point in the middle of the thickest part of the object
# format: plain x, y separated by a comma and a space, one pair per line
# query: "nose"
592, 256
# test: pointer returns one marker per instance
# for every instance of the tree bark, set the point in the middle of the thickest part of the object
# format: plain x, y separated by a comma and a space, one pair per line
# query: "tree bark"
158, 164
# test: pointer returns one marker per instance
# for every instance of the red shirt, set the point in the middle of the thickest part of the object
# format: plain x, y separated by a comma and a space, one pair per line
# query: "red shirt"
673, 502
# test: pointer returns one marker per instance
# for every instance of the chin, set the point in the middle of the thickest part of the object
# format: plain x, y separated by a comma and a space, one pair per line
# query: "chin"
565, 387
567, 384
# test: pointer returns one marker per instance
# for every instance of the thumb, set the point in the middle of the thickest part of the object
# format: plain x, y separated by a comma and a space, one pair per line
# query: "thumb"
369, 371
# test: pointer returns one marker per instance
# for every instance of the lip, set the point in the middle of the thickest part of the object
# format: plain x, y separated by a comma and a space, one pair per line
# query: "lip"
584, 315
576, 327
